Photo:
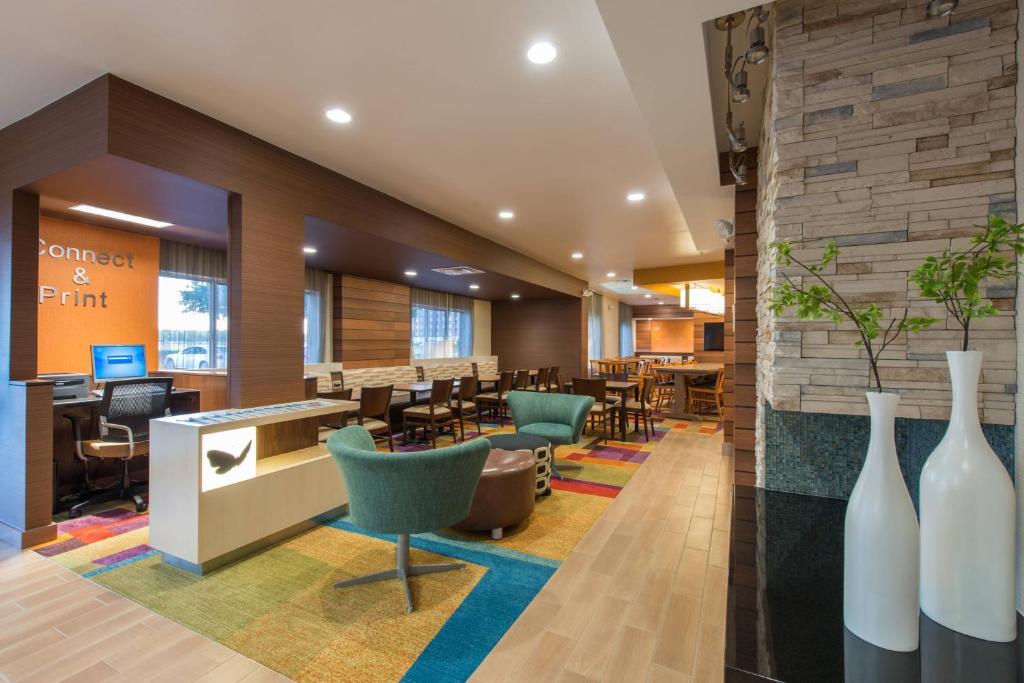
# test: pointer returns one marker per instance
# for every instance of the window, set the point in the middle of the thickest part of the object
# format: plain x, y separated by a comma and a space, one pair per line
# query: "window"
595, 328
442, 325
193, 321
312, 333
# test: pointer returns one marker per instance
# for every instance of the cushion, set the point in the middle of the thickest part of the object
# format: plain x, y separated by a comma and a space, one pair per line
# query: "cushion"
635, 405
466, 405
424, 411
491, 396
113, 449
557, 434
375, 426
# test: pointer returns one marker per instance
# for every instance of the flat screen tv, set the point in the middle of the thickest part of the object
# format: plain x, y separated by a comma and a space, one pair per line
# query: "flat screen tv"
714, 336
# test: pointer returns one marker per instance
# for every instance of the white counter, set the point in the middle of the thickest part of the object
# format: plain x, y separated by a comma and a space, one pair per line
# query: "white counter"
207, 511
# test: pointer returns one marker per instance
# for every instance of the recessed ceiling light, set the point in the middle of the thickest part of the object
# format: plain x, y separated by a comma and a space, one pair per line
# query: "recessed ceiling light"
339, 115
309, 250
506, 214
515, 296
542, 53
474, 286
635, 196
577, 255
647, 296
411, 273
634, 287
611, 273
108, 213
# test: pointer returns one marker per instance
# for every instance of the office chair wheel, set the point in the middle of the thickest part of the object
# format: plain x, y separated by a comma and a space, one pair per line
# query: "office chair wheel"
73, 513
141, 505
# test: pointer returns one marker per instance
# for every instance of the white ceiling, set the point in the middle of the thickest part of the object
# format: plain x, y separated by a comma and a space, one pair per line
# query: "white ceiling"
448, 114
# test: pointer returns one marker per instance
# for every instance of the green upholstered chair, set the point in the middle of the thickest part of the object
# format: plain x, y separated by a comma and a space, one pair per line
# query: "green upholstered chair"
559, 418
406, 493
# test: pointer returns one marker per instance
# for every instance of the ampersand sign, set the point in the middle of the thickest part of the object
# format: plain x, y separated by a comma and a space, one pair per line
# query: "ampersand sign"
80, 278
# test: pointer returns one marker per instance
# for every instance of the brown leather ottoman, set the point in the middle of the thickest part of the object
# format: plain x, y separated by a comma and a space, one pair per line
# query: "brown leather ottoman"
505, 493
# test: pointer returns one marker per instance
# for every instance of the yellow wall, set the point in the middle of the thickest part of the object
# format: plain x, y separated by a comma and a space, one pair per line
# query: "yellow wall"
96, 286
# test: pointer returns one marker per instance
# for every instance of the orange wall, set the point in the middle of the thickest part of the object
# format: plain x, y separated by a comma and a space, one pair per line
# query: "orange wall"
123, 305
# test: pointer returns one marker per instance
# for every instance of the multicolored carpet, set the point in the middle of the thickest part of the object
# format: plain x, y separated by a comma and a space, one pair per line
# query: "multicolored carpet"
279, 608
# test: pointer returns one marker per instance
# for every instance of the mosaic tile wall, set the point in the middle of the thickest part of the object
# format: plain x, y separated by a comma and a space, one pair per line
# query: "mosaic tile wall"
821, 454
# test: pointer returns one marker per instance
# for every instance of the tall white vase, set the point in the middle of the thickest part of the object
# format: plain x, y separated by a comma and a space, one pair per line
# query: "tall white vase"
967, 521
880, 552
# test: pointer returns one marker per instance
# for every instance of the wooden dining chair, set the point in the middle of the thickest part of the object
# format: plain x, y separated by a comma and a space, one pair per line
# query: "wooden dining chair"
420, 374
522, 380
375, 413
542, 380
337, 380
640, 408
707, 397
465, 405
330, 423
475, 368
664, 389
602, 411
434, 414
555, 382
495, 401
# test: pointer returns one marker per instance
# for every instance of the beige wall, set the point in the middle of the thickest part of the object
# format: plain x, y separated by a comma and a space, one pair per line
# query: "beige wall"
481, 327
610, 326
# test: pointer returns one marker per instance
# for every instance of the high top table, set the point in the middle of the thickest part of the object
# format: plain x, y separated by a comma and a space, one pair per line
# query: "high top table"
681, 374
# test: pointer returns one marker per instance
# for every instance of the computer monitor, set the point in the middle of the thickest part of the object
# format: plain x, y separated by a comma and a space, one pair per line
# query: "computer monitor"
118, 361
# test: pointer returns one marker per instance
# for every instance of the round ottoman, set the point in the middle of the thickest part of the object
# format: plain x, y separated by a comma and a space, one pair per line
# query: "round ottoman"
504, 495
541, 449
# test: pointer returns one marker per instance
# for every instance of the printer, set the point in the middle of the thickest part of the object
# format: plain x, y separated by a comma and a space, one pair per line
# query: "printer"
68, 385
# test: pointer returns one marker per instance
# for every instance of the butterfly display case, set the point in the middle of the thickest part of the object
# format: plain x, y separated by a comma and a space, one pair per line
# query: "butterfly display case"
227, 483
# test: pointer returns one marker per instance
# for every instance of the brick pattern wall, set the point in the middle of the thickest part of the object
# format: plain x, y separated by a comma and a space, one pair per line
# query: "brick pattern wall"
894, 134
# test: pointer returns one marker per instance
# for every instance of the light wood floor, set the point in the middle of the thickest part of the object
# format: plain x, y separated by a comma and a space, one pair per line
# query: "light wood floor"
57, 626
643, 597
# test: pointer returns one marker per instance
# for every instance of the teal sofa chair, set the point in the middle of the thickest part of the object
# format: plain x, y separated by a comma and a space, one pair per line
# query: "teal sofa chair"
559, 418
406, 493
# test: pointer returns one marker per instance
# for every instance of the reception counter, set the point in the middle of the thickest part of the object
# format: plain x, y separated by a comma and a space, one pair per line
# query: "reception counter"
227, 483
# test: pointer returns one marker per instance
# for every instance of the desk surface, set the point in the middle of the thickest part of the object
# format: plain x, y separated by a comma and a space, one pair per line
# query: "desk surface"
92, 400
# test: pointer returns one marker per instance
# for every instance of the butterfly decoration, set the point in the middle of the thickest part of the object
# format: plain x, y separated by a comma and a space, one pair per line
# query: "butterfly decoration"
224, 461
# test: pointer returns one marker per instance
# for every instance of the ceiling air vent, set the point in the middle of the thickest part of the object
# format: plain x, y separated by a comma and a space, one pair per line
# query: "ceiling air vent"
458, 270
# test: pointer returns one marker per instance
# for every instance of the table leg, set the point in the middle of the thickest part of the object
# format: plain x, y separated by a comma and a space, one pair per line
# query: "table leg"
623, 415
679, 396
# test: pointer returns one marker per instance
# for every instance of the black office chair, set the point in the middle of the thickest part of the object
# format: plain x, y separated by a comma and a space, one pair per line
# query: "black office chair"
125, 410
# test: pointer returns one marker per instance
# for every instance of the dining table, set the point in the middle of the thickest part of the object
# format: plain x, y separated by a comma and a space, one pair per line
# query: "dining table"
622, 388
681, 377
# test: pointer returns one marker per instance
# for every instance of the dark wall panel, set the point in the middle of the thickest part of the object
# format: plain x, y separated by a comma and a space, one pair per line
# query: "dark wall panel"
540, 333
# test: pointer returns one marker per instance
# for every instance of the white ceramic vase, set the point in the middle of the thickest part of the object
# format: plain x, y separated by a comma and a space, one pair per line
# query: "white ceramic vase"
967, 521
880, 552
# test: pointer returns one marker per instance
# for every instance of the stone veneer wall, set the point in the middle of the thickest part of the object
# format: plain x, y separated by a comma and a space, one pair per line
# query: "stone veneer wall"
893, 134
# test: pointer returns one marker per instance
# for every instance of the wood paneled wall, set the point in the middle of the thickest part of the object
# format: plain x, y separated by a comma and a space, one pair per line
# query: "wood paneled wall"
702, 356
663, 335
372, 326
539, 333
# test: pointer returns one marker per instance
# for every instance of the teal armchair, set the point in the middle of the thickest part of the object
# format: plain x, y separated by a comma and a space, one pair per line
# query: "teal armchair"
559, 418
406, 493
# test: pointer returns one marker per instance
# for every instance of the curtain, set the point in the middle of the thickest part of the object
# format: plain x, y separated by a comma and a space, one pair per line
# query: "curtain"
595, 331
178, 259
442, 324
319, 308
625, 329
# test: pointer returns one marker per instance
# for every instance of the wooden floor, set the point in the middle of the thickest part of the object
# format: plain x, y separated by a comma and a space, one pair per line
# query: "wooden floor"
643, 597
57, 626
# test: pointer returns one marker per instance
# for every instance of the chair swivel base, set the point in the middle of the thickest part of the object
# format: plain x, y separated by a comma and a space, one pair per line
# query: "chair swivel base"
131, 493
403, 571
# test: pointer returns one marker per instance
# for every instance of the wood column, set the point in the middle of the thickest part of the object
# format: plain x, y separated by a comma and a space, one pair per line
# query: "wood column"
730, 345
745, 334
26, 412
266, 283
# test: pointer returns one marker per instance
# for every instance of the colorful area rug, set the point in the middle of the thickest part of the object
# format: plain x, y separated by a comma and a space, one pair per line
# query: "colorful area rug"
279, 608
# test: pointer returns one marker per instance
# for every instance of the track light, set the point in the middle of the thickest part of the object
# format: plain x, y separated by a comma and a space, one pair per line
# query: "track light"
940, 8
758, 50
740, 91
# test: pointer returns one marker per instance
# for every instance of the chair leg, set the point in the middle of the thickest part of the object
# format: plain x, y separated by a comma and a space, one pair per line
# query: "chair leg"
462, 428
433, 434
403, 570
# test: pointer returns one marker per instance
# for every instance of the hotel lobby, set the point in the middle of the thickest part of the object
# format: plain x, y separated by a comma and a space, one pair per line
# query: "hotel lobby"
585, 340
